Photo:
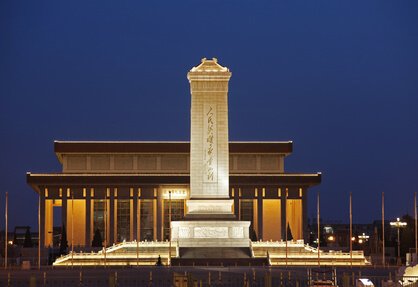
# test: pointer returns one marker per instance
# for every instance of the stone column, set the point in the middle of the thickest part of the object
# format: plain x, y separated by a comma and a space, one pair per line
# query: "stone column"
209, 209
42, 218
260, 213
64, 210
305, 215
160, 218
209, 144
111, 217
135, 215
88, 217
283, 212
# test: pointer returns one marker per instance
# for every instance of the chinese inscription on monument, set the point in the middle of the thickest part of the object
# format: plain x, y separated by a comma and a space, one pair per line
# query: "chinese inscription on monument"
210, 144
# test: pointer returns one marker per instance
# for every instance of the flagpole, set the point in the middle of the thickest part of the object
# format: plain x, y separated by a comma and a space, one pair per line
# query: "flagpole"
169, 219
383, 229
105, 228
39, 231
319, 229
351, 230
137, 227
285, 216
416, 226
5, 231
72, 228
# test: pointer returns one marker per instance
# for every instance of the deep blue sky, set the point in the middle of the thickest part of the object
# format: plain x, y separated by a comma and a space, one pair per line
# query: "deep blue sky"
339, 78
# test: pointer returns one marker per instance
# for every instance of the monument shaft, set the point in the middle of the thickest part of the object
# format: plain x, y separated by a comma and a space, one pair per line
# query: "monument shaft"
210, 221
209, 153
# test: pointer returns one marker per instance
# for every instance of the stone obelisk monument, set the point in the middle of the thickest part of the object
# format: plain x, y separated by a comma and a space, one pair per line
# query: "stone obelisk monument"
209, 221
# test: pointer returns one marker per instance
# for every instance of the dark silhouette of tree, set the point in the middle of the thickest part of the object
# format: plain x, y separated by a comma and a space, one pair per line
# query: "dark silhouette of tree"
97, 239
63, 242
253, 235
159, 262
407, 235
289, 233
28, 239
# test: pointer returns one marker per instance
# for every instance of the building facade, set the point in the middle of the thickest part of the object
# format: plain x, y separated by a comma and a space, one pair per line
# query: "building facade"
123, 188
131, 190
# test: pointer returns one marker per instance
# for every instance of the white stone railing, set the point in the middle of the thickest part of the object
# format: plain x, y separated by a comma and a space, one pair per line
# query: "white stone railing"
310, 251
301, 244
113, 248
290, 243
134, 244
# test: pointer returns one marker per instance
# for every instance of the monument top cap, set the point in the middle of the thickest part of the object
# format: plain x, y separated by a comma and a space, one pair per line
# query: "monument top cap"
209, 66
213, 59
209, 70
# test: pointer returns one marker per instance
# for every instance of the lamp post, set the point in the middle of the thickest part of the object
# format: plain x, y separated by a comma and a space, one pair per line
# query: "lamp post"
5, 232
137, 228
351, 230
364, 238
169, 219
319, 230
398, 224
72, 228
383, 230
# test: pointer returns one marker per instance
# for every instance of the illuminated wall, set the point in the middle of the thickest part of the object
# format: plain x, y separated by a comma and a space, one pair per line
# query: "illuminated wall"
49, 221
50, 204
76, 217
294, 217
271, 219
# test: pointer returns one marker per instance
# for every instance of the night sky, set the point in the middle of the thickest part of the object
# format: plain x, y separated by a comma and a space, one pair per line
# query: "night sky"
338, 78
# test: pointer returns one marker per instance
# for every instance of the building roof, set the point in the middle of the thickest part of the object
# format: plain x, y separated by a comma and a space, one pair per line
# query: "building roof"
63, 179
63, 147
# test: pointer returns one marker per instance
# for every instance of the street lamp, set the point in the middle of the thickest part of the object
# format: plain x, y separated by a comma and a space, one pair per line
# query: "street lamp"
169, 219
363, 238
398, 224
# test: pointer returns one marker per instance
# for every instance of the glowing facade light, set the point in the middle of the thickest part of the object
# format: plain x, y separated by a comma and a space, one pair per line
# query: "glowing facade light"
398, 224
363, 237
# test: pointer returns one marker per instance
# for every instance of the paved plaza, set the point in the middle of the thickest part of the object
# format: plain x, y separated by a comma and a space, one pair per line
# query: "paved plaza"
186, 276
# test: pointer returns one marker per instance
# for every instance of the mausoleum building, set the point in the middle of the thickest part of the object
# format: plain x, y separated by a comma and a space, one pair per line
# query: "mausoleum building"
125, 189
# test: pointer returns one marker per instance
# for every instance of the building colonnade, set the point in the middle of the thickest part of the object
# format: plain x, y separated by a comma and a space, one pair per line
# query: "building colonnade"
130, 213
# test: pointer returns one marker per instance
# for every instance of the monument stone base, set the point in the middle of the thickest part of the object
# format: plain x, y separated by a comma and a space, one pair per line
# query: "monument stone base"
209, 206
211, 233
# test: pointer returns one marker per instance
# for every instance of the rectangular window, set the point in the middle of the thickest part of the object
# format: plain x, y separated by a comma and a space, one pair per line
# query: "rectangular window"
123, 220
177, 213
98, 217
146, 220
